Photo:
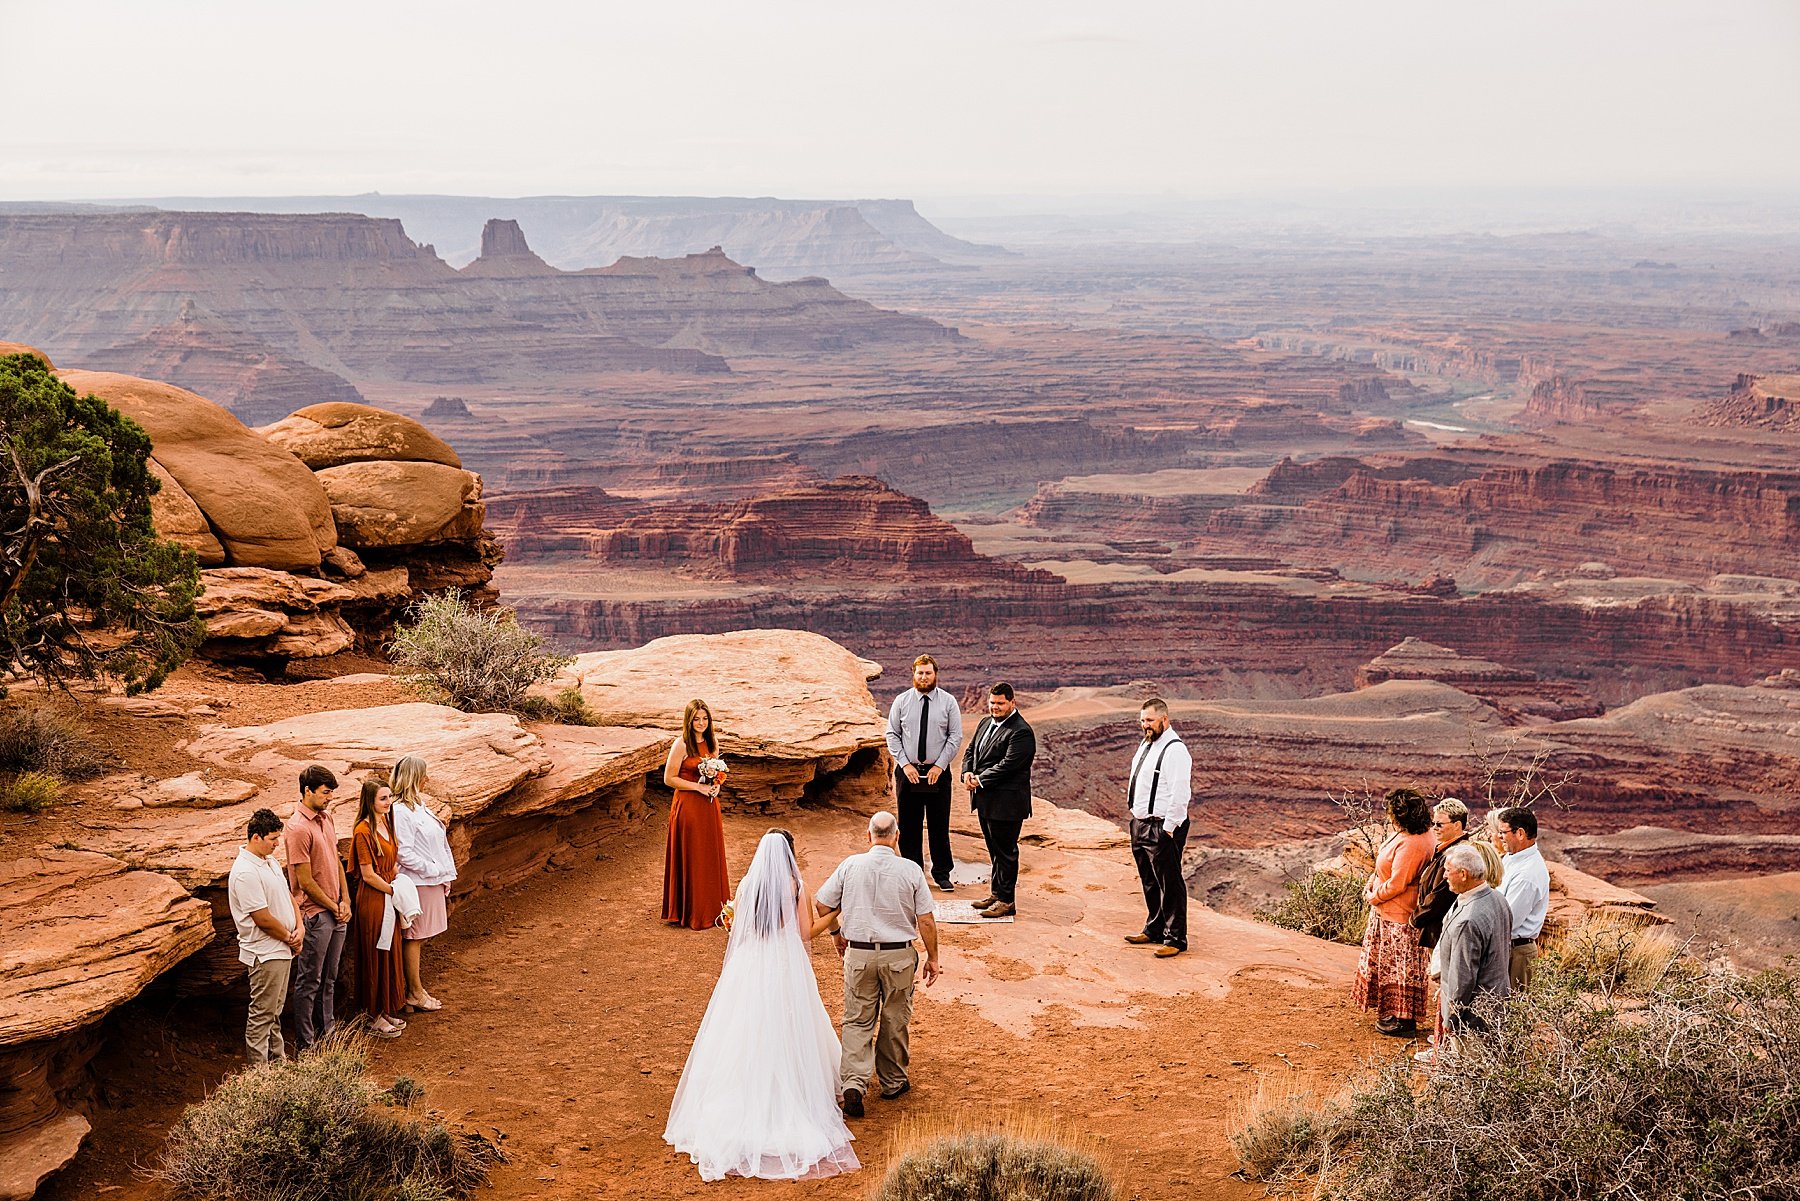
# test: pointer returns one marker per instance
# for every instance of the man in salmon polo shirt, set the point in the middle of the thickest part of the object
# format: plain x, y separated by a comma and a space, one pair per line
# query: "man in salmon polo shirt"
317, 875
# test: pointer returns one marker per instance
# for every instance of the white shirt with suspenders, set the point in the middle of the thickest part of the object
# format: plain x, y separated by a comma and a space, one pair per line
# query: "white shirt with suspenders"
1168, 788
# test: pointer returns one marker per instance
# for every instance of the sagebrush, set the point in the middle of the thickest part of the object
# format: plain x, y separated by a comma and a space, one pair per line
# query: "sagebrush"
1607, 955
1323, 904
1281, 1135
479, 660
37, 738
314, 1129
1695, 1093
980, 1167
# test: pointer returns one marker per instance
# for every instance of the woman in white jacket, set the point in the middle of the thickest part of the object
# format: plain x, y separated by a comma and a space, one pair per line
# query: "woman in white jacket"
425, 857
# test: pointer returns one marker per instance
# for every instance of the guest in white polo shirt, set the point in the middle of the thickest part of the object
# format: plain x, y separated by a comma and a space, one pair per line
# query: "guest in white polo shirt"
268, 933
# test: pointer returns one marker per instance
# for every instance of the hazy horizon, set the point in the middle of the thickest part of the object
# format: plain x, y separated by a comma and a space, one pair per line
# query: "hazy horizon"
1201, 101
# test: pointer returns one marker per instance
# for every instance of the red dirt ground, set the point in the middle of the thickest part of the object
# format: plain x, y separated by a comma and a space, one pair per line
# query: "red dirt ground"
569, 1008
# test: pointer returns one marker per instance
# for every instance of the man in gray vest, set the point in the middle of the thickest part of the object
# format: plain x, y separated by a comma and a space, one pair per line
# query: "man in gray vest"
1157, 794
1476, 942
882, 904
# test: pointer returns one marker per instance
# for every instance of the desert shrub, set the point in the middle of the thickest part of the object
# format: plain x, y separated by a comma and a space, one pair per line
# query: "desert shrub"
28, 792
40, 739
1608, 955
567, 707
1322, 904
313, 1129
1281, 1136
1693, 1094
477, 660
404, 1091
977, 1167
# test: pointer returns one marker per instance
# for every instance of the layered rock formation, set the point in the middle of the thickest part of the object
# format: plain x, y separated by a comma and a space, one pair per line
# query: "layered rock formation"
300, 563
321, 291
84, 933
793, 712
1518, 695
855, 525
204, 355
1770, 402
1713, 758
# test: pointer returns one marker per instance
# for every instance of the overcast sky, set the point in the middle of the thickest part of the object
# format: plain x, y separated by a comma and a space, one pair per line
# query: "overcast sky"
838, 98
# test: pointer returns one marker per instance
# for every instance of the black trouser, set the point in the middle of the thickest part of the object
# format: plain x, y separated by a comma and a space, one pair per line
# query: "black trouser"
927, 806
1003, 852
1158, 858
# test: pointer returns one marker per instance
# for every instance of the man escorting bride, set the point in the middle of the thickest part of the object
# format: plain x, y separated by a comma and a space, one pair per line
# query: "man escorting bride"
759, 1093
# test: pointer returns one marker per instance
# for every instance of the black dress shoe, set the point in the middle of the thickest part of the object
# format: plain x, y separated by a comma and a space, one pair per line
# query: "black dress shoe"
897, 1091
1397, 1027
943, 885
853, 1103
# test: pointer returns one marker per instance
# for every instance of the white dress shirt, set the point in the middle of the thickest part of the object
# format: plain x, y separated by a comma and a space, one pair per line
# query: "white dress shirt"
424, 848
1174, 787
1526, 886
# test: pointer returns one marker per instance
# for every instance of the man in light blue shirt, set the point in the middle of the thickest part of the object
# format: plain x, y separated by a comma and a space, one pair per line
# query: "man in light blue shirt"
1526, 886
924, 732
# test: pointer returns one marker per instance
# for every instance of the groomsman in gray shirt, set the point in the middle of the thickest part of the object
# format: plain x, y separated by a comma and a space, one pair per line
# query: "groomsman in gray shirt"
924, 732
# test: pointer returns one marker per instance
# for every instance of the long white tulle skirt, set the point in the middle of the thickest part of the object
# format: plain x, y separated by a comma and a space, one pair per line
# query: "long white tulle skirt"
759, 1093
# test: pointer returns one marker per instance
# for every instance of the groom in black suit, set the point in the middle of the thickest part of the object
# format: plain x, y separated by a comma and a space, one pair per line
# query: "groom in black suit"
997, 773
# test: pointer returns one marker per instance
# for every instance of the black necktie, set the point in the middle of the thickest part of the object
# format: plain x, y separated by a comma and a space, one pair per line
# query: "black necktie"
924, 713
987, 736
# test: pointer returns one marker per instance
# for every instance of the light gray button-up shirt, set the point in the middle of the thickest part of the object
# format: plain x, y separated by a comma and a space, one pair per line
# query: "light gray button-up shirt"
880, 896
943, 727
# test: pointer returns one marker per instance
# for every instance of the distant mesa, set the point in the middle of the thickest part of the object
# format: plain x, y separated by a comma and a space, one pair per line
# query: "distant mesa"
1770, 402
784, 239
448, 408
1519, 695
270, 309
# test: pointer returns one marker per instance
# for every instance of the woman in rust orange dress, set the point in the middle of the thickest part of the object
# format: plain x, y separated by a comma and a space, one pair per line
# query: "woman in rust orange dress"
374, 862
695, 882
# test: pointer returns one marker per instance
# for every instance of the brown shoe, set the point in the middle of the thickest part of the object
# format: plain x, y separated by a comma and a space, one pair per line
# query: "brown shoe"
999, 909
1167, 952
984, 902
1138, 940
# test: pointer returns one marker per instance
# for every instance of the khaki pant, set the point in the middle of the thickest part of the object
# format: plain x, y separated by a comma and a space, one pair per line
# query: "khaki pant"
878, 998
1518, 965
268, 993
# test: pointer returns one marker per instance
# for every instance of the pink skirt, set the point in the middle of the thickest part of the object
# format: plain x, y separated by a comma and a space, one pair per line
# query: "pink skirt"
434, 913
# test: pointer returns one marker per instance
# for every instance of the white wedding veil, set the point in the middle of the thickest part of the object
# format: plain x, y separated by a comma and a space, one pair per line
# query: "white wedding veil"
768, 898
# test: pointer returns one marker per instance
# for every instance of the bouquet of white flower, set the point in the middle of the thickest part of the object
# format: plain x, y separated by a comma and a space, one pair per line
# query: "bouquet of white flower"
726, 914
713, 771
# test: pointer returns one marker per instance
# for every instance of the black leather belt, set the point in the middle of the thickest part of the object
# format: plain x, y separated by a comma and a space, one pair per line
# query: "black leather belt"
879, 946
1524, 942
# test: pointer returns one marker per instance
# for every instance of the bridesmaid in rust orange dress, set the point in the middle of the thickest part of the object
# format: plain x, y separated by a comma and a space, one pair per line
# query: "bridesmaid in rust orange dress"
695, 882
374, 862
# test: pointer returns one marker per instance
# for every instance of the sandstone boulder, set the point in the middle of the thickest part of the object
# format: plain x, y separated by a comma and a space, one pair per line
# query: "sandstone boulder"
794, 712
9, 348
83, 934
386, 504
332, 434
177, 518
264, 506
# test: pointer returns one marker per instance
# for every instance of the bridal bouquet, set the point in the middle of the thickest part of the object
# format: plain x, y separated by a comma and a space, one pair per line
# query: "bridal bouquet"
726, 914
713, 771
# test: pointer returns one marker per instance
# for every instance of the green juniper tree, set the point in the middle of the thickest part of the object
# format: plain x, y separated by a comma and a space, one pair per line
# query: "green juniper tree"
87, 589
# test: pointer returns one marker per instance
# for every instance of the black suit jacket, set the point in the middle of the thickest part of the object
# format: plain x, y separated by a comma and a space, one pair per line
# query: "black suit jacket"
1004, 766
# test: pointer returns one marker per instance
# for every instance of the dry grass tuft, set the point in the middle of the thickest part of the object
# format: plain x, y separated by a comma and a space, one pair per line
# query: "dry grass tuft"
1282, 1134
316, 1129
1613, 955
1023, 1157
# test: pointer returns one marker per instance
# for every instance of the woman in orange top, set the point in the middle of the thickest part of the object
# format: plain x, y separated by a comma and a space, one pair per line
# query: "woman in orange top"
1390, 979
696, 884
374, 862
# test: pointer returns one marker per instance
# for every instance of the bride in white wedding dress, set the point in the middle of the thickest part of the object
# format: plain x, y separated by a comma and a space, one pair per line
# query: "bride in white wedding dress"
759, 1093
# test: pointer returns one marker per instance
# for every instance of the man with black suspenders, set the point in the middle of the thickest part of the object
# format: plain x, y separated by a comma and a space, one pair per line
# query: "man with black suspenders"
1157, 793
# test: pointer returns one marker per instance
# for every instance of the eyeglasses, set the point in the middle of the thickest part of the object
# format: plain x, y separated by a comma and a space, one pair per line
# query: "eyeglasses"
1441, 825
